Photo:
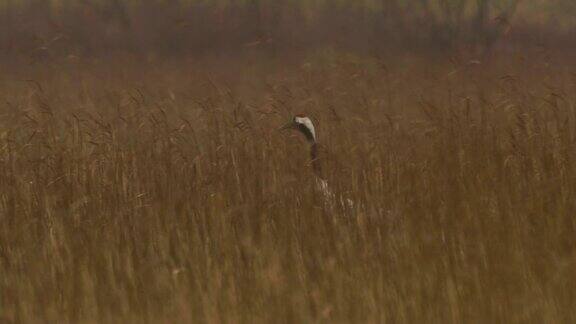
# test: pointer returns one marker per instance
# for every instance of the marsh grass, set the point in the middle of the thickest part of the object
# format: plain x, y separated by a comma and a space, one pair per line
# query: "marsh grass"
165, 194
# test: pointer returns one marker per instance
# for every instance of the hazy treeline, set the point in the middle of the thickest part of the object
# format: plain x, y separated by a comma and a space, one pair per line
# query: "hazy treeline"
55, 27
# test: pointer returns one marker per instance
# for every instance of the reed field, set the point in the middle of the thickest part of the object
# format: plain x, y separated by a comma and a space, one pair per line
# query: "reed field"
145, 178
165, 193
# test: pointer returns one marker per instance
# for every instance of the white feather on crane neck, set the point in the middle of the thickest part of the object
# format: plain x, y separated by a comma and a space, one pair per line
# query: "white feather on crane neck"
307, 123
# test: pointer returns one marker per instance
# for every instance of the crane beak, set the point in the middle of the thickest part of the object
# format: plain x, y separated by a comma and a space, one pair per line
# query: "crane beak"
290, 125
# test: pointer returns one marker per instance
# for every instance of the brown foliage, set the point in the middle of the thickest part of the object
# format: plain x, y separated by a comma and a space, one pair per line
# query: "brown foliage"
163, 192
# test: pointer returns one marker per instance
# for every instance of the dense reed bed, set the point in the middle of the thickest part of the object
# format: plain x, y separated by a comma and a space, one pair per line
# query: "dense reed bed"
135, 192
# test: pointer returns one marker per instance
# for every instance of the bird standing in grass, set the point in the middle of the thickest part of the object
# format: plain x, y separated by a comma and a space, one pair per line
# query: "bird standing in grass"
304, 125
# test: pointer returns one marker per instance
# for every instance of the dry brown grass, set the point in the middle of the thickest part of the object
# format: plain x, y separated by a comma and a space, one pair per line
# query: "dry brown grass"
139, 192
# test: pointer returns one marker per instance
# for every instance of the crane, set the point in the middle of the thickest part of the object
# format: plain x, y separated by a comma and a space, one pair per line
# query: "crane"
304, 125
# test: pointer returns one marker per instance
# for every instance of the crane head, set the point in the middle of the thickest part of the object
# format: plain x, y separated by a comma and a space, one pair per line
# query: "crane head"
304, 125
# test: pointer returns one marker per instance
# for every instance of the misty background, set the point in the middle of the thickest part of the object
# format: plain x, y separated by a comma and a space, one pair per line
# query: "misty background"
49, 29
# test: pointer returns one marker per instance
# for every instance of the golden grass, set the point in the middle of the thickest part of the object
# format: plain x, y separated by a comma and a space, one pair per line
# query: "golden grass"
137, 192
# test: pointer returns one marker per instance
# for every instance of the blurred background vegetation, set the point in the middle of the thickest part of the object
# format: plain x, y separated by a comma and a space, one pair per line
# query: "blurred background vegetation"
56, 28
